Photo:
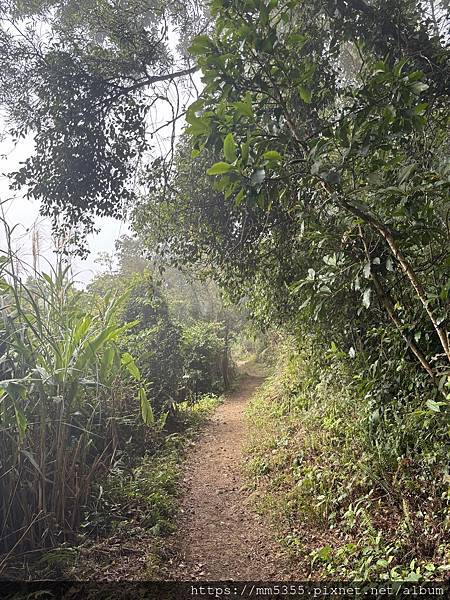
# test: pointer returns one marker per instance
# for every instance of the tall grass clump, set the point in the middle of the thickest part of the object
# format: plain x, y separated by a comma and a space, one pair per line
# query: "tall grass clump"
64, 412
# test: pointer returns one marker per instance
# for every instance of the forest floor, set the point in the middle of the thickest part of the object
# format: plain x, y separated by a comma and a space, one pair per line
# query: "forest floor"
218, 536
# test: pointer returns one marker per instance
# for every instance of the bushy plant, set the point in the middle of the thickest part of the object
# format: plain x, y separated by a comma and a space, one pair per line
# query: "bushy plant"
158, 354
203, 350
371, 479
63, 404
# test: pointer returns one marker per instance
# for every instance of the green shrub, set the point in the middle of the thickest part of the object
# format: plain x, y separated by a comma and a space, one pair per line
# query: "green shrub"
203, 351
377, 489
159, 357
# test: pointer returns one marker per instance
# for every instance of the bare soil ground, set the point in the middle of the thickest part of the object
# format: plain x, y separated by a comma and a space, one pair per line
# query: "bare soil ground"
218, 536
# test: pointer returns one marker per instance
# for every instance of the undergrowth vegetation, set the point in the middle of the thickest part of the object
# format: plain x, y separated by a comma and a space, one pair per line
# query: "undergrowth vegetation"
95, 386
355, 494
145, 493
133, 511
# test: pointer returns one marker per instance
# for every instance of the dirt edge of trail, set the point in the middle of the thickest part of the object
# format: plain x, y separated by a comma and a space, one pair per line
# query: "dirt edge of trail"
218, 536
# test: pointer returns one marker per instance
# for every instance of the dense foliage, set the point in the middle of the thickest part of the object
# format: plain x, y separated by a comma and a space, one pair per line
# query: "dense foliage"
323, 130
90, 382
353, 492
183, 328
332, 183
82, 78
65, 412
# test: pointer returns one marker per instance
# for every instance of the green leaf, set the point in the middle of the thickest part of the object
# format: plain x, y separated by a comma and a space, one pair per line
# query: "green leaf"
305, 94
200, 45
418, 87
128, 362
219, 168
245, 151
97, 342
229, 148
420, 109
14, 389
107, 363
272, 155
298, 39
325, 553
379, 67
81, 329
433, 406
399, 67
406, 172
22, 423
244, 107
146, 409
197, 126
198, 123
389, 113
240, 196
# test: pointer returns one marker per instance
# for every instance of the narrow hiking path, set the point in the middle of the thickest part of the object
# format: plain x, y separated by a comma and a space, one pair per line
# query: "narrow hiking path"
218, 535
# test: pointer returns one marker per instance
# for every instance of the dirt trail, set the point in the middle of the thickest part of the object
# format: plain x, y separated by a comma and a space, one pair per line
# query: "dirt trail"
218, 535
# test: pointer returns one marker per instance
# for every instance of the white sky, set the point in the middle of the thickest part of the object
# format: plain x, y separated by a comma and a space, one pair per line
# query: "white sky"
24, 215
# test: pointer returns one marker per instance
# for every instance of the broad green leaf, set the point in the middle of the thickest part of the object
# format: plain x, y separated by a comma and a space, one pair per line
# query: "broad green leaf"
219, 168
433, 406
325, 553
107, 364
229, 148
94, 345
305, 94
146, 409
421, 108
272, 155
244, 107
379, 67
198, 126
418, 87
200, 45
129, 363
298, 39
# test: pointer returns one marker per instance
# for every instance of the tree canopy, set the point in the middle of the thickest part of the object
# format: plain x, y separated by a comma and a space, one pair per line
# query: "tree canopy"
327, 138
81, 78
